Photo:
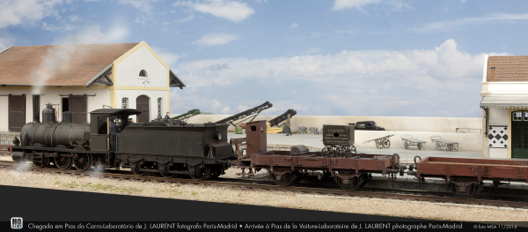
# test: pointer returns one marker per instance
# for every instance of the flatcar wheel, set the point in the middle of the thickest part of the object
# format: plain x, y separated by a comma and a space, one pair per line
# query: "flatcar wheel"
63, 162
472, 191
353, 183
83, 162
286, 179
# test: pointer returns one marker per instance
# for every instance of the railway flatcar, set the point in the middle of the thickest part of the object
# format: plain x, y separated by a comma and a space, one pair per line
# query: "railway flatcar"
198, 150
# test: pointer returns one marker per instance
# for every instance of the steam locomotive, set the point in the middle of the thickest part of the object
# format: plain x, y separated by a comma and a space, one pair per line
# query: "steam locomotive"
109, 141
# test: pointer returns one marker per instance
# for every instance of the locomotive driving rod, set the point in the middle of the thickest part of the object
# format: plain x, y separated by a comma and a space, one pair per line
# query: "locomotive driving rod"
256, 111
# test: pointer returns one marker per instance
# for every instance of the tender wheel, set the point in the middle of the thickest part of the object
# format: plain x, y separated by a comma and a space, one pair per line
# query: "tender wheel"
63, 162
140, 173
386, 143
165, 172
83, 162
352, 184
168, 175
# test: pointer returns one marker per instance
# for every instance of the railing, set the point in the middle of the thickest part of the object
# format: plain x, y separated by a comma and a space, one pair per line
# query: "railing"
468, 130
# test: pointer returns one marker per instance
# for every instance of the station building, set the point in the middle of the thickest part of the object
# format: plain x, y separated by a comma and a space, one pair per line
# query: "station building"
505, 107
77, 79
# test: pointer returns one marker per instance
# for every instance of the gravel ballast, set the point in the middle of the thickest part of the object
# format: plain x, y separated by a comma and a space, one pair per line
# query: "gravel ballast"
282, 199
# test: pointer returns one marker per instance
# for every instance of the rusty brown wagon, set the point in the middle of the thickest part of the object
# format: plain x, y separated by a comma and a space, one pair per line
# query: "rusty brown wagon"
288, 167
466, 175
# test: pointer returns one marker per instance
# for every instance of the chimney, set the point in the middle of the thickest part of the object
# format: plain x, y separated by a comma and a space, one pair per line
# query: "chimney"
36, 108
492, 73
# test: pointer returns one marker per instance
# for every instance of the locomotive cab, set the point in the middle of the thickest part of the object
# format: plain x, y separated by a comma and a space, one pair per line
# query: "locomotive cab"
105, 124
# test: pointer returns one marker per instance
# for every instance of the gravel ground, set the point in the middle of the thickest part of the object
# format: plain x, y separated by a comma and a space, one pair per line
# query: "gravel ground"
408, 209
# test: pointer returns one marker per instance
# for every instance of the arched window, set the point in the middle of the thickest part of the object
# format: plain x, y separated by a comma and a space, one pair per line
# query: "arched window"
143, 73
124, 102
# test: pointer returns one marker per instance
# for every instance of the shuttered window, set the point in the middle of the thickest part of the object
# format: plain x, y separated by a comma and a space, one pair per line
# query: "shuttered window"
17, 112
78, 107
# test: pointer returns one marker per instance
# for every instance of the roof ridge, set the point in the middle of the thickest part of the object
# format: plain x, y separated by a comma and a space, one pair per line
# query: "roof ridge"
6, 49
51, 45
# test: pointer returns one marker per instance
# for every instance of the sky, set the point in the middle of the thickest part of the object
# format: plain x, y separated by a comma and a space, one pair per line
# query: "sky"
319, 57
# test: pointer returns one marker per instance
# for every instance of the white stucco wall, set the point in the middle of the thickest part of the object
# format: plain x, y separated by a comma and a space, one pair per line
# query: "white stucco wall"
427, 124
498, 116
128, 70
51, 95
153, 101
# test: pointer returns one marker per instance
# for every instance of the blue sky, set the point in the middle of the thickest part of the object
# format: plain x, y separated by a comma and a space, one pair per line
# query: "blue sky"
320, 57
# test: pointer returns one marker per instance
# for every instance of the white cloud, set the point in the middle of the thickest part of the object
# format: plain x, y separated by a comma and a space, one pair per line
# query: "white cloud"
440, 80
216, 39
448, 25
184, 20
294, 25
94, 34
27, 12
168, 57
231, 10
144, 6
358, 4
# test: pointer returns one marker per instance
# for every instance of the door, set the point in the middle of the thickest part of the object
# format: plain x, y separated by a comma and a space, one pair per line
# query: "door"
17, 112
142, 104
520, 134
78, 108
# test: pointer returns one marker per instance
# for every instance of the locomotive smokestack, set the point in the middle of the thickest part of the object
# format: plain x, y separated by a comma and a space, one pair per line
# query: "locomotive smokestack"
48, 114
36, 108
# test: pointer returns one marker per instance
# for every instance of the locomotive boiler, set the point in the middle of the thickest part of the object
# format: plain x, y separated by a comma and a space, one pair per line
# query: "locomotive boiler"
109, 141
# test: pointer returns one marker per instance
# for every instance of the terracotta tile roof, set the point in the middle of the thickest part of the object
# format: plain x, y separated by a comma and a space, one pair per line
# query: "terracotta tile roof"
57, 65
508, 68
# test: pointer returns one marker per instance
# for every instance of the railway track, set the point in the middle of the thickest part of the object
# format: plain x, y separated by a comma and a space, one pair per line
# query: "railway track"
325, 190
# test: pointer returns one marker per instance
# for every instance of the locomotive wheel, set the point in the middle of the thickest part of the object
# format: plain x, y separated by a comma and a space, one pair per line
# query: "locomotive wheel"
353, 150
42, 164
63, 162
83, 162
406, 145
386, 143
352, 185
420, 146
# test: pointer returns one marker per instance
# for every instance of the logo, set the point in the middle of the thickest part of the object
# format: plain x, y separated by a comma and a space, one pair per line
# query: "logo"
17, 223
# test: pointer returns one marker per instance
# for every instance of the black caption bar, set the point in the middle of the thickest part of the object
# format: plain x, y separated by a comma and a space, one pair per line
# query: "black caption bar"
298, 226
